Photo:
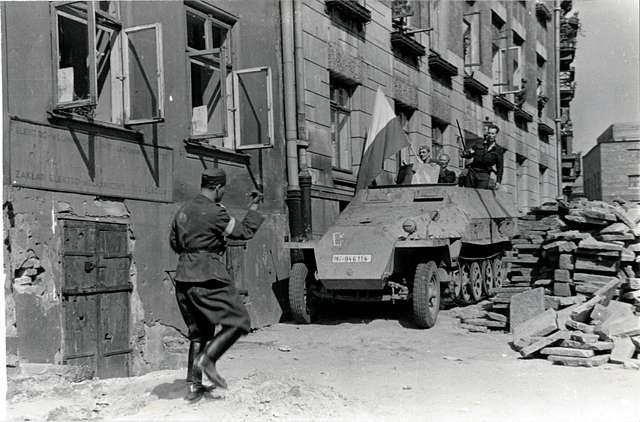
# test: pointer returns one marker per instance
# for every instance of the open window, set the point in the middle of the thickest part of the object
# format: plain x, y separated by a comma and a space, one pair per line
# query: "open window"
340, 101
102, 70
471, 41
253, 100
508, 70
207, 39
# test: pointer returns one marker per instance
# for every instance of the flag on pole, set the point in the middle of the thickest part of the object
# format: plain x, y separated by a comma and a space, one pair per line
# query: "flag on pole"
385, 138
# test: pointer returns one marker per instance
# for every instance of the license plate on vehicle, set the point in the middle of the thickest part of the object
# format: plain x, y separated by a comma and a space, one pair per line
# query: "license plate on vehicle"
351, 259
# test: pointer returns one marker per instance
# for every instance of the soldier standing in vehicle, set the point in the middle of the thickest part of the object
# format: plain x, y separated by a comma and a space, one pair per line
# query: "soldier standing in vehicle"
486, 158
204, 289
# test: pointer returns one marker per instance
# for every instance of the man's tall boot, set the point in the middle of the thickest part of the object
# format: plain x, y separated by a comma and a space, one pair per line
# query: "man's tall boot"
194, 374
206, 361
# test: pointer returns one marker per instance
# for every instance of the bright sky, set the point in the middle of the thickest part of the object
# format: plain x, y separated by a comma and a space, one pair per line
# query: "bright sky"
607, 68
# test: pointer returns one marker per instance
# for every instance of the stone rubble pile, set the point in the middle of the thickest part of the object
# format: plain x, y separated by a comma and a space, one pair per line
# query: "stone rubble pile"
573, 291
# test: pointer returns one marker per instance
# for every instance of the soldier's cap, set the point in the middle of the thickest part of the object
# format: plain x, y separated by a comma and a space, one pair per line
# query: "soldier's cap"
214, 176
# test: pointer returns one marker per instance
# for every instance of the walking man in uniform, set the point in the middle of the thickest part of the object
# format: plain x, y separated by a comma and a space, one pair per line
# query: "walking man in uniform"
204, 289
485, 158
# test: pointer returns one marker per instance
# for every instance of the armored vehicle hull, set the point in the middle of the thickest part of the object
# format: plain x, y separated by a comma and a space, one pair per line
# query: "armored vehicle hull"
407, 243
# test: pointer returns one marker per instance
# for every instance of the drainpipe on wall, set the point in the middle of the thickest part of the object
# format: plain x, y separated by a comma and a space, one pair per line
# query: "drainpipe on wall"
556, 17
288, 75
305, 175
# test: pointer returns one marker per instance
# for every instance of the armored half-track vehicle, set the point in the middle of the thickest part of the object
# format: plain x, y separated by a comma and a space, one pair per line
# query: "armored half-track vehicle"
418, 243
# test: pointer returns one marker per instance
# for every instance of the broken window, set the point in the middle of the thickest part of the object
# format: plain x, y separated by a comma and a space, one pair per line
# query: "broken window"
91, 64
253, 97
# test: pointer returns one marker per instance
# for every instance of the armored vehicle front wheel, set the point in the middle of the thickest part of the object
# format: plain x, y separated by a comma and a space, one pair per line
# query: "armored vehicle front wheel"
299, 296
426, 294
488, 276
476, 281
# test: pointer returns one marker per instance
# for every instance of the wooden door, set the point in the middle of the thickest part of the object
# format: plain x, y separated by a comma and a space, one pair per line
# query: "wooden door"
96, 294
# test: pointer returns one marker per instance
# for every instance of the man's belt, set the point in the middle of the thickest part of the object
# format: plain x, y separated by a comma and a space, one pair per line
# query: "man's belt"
218, 253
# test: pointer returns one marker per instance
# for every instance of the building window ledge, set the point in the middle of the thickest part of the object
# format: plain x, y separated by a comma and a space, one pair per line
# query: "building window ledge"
198, 147
407, 44
519, 113
501, 101
440, 66
352, 9
543, 12
473, 85
89, 125
545, 129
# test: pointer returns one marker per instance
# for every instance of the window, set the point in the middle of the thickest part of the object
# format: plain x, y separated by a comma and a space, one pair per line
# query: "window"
92, 84
542, 178
634, 181
340, 100
206, 41
438, 129
471, 42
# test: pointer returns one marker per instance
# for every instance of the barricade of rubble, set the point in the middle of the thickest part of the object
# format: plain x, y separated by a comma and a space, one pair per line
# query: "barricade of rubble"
573, 291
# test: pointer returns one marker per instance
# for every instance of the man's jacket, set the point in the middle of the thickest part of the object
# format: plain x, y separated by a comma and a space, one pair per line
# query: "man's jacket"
484, 159
198, 233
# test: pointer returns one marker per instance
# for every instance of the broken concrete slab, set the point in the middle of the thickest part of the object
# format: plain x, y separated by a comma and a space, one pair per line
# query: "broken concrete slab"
592, 244
543, 282
574, 361
485, 323
608, 290
623, 349
524, 306
497, 317
616, 228
598, 214
570, 235
598, 346
560, 246
566, 351
608, 266
629, 326
544, 342
586, 277
585, 338
614, 237
581, 312
613, 310
580, 326
474, 328
540, 325
579, 220
571, 300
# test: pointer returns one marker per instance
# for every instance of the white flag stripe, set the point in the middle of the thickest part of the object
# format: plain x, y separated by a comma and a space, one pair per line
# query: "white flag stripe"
382, 115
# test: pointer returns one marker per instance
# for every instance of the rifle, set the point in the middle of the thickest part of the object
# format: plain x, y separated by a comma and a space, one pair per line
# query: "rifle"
464, 146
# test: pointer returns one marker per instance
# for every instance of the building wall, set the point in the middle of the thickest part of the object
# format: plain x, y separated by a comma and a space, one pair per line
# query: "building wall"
89, 157
592, 167
367, 60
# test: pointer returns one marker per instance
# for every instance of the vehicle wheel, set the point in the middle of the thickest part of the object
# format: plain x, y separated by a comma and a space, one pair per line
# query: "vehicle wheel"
488, 276
465, 290
499, 273
299, 299
476, 281
457, 284
426, 295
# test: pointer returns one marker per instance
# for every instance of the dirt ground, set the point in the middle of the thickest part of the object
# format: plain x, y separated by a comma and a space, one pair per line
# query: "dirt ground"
355, 365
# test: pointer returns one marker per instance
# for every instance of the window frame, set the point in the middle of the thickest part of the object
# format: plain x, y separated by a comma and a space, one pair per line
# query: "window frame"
335, 107
126, 88
237, 110
513, 80
474, 21
636, 179
193, 54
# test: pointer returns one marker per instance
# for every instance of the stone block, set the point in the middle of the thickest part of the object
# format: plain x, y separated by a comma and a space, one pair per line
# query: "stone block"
565, 261
585, 338
623, 349
608, 290
574, 361
582, 221
617, 237
525, 306
629, 326
527, 341
598, 346
562, 275
474, 328
561, 289
566, 351
627, 255
582, 311
560, 246
580, 326
616, 228
543, 282
540, 344
485, 323
613, 310
603, 266
593, 278
540, 325
598, 214
593, 245
571, 300
496, 316
570, 235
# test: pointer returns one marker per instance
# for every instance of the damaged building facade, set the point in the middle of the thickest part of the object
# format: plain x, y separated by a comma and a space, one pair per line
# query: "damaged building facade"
100, 150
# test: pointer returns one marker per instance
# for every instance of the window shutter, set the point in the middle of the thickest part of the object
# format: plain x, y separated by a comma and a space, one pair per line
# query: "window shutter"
143, 74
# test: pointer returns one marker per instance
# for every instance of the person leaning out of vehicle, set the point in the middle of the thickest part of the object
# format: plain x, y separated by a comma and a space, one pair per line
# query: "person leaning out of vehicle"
487, 158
